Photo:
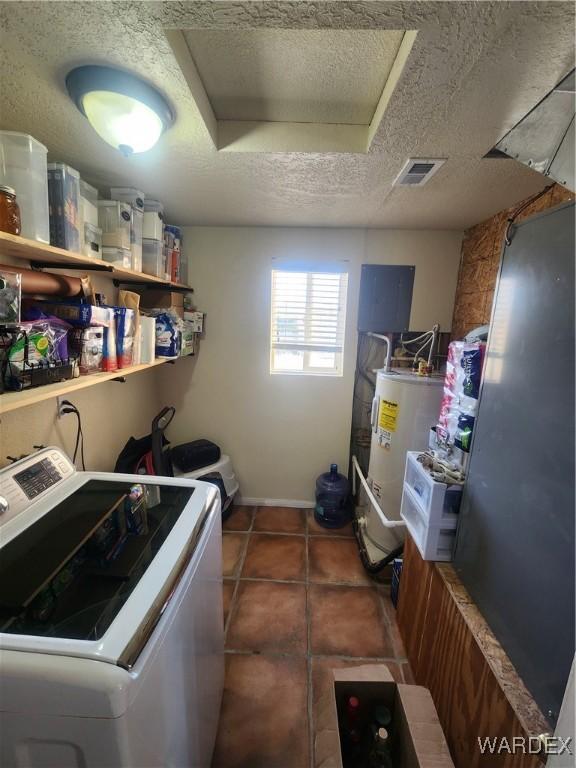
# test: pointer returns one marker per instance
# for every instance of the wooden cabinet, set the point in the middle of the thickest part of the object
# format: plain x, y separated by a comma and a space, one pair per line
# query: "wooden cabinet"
455, 655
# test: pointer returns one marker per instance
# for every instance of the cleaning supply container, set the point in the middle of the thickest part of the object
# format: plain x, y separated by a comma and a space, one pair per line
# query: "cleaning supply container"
23, 166
332, 492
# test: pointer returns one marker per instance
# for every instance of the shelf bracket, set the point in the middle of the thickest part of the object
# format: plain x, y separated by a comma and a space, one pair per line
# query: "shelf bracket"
83, 267
164, 286
119, 379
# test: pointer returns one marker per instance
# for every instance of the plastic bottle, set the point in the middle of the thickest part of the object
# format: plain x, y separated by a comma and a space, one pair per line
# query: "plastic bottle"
332, 492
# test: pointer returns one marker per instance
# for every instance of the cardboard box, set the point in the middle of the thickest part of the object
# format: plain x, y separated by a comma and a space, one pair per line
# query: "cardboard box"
416, 732
158, 299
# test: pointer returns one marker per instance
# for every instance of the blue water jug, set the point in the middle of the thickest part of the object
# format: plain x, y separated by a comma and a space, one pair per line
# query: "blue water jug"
332, 491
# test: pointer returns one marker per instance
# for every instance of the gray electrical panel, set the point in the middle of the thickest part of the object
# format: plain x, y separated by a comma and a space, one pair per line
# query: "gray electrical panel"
385, 298
515, 548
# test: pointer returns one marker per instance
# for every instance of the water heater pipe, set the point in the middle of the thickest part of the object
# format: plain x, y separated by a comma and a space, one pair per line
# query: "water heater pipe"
387, 364
372, 499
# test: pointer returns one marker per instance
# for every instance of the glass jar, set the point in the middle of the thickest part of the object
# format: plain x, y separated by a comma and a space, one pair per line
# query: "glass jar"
9, 211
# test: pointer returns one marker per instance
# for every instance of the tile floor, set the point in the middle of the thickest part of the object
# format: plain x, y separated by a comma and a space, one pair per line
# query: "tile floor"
297, 603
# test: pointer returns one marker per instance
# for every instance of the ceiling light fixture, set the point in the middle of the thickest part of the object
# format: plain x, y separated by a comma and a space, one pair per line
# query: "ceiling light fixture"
126, 112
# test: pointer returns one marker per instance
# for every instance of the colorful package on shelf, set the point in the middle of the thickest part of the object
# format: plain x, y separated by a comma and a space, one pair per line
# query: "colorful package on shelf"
125, 334
10, 297
86, 315
187, 338
37, 354
461, 393
77, 314
88, 345
168, 334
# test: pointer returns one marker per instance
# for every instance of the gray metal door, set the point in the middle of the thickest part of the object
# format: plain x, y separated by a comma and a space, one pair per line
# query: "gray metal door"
515, 549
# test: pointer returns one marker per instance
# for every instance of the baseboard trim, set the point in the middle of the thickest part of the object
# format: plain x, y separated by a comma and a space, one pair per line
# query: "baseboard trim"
256, 502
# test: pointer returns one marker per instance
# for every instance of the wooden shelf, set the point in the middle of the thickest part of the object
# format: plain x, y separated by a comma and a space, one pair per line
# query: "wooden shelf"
58, 258
12, 401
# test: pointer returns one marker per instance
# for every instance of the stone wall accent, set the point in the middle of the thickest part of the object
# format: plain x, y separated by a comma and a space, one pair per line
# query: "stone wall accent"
480, 261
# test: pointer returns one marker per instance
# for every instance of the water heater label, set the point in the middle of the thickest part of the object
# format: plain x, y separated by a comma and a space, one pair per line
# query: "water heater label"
388, 415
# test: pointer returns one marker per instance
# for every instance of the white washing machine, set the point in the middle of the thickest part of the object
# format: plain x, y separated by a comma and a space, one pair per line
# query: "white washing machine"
111, 630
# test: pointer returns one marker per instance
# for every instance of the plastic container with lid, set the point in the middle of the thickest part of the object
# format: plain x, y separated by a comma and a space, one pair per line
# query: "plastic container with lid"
153, 257
153, 225
23, 166
64, 202
9, 211
136, 238
92, 243
118, 257
88, 203
115, 220
332, 493
129, 195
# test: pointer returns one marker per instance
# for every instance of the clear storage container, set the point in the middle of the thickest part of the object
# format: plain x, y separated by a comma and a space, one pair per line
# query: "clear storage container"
88, 203
118, 257
92, 246
64, 204
153, 205
136, 239
23, 166
153, 226
153, 257
128, 195
115, 220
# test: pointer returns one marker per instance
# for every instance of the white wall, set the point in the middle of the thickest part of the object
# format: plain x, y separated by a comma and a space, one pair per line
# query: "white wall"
111, 412
282, 431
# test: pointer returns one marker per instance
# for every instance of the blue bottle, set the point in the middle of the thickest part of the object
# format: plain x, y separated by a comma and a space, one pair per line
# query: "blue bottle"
332, 492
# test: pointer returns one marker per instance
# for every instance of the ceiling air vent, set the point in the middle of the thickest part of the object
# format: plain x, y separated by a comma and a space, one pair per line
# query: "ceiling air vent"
417, 171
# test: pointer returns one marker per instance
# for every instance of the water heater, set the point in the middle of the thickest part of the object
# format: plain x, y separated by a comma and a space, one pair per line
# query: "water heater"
404, 408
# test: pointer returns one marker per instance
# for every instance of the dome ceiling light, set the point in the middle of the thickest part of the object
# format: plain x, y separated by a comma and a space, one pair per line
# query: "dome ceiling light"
126, 112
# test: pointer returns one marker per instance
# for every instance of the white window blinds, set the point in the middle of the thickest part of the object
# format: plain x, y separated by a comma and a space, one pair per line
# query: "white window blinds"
308, 322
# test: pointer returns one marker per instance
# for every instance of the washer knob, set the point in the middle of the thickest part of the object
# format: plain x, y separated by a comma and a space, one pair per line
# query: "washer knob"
3, 505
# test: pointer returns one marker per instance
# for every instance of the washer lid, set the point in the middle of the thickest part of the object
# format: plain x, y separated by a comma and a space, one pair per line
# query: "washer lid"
87, 575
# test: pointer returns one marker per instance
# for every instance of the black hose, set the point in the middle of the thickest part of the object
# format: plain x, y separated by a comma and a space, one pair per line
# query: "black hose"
369, 566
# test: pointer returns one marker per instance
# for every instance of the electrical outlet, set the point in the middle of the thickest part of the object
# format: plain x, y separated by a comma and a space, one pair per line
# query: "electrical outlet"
59, 406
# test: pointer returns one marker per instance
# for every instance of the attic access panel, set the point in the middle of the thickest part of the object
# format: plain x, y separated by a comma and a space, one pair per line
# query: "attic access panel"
385, 298
291, 90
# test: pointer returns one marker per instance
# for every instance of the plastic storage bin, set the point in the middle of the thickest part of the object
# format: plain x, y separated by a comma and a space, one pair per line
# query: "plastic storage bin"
435, 542
128, 195
439, 502
118, 257
153, 226
136, 238
23, 166
92, 242
153, 257
153, 205
64, 201
88, 203
115, 220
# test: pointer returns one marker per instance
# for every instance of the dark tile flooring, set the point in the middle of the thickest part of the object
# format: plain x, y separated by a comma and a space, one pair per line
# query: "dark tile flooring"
297, 603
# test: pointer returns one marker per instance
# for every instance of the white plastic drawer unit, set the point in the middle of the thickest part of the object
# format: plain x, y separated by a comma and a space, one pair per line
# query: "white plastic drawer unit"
434, 542
439, 502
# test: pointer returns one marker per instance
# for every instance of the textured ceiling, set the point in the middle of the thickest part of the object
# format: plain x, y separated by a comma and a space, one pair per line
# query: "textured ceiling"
291, 75
474, 70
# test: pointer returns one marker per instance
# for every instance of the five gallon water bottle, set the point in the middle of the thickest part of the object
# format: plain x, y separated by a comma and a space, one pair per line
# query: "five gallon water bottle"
332, 491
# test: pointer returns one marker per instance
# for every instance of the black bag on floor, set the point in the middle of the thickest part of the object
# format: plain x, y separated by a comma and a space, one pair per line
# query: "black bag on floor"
195, 455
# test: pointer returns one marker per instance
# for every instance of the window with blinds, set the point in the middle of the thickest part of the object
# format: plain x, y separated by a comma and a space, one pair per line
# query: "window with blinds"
308, 322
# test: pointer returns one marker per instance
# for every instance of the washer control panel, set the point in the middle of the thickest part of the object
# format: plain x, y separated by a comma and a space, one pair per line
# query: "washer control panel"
27, 480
